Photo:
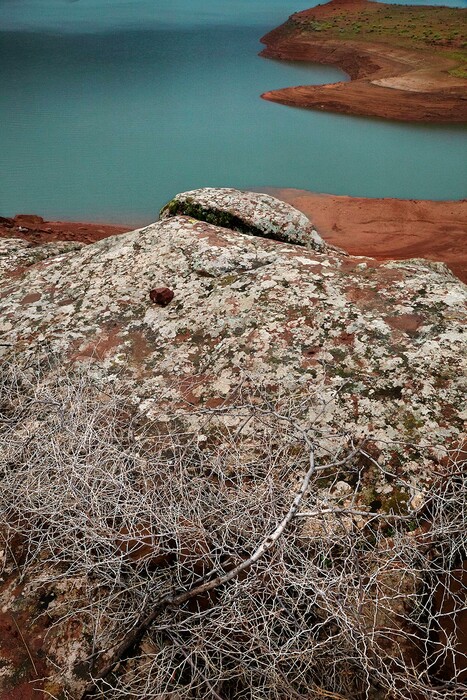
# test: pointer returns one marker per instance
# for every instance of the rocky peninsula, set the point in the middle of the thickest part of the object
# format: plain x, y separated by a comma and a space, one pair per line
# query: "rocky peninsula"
404, 62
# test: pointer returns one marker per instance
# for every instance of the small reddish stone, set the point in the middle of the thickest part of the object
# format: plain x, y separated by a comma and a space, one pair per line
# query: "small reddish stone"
161, 296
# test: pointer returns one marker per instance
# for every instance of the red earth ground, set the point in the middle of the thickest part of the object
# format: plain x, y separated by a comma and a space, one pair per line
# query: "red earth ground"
34, 229
388, 229
405, 63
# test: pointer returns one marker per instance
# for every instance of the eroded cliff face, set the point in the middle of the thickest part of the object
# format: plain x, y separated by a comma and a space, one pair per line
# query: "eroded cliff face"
370, 351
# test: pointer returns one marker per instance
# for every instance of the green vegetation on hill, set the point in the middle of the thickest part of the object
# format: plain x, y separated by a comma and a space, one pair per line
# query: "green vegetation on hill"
401, 25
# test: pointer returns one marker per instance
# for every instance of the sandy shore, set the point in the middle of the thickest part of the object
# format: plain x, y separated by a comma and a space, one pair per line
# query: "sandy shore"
392, 76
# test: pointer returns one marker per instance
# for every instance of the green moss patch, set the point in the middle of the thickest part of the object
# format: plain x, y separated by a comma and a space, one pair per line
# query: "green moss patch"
216, 217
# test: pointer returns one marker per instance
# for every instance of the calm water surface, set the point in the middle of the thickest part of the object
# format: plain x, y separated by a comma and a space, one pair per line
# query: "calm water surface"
109, 108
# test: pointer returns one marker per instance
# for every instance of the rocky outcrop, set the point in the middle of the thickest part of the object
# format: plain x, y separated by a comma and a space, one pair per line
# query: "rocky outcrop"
387, 336
16, 255
244, 304
184, 314
246, 212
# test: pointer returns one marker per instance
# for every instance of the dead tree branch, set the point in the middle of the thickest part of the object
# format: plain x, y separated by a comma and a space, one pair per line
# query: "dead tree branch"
209, 584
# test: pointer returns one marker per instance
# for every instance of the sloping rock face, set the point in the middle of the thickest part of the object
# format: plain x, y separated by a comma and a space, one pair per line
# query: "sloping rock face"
368, 349
388, 336
246, 212
16, 255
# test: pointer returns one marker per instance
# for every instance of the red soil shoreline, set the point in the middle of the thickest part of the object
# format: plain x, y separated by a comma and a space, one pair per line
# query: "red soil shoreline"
387, 81
384, 229
388, 229
34, 229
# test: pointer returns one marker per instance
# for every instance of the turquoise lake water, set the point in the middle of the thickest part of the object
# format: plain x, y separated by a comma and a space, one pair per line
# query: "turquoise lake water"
109, 108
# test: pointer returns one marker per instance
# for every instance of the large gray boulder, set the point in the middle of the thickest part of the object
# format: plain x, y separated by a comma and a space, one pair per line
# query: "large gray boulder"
246, 212
386, 337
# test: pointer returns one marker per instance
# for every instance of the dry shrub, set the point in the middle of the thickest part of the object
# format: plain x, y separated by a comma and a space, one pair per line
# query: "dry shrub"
350, 602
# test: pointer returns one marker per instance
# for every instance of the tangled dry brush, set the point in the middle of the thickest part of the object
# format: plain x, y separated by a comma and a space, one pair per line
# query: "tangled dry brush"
236, 560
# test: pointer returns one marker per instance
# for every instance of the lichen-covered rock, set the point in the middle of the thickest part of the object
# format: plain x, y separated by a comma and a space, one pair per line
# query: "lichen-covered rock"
16, 254
246, 212
368, 349
385, 341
